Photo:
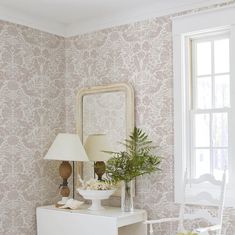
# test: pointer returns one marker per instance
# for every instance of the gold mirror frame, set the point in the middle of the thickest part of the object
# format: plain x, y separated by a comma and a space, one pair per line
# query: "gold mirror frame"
130, 117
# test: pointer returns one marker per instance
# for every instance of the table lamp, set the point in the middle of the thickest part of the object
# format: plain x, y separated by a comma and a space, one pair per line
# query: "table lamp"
66, 147
95, 145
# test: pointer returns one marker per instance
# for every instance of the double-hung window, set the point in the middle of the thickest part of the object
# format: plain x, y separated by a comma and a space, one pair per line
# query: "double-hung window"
204, 97
209, 99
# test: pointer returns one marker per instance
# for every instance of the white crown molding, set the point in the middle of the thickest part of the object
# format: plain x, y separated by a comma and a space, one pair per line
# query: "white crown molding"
220, 18
46, 25
131, 17
86, 26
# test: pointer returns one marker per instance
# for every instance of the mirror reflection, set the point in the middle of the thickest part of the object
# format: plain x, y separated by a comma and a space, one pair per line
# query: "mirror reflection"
104, 114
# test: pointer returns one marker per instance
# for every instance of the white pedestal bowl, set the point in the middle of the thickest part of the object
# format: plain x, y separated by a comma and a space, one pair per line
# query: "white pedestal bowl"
95, 196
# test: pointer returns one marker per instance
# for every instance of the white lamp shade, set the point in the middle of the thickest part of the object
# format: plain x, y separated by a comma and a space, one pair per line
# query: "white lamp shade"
95, 145
67, 147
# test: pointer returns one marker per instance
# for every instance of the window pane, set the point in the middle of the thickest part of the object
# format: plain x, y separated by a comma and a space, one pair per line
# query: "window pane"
220, 158
204, 93
203, 58
202, 130
220, 129
222, 91
202, 162
221, 51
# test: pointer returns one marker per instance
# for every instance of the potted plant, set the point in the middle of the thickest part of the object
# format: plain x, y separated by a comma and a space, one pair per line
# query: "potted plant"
136, 160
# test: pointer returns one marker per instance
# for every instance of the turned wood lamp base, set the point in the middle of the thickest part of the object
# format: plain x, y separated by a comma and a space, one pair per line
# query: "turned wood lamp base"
65, 171
99, 168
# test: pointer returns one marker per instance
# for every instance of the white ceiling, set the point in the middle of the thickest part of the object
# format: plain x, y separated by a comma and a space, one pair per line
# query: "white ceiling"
71, 17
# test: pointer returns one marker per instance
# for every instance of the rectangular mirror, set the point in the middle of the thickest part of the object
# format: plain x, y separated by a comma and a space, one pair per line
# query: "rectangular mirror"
105, 110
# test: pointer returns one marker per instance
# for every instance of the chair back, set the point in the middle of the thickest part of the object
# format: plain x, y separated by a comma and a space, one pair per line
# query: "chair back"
200, 193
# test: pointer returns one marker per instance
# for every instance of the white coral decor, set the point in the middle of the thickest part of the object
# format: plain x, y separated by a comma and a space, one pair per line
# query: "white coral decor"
94, 184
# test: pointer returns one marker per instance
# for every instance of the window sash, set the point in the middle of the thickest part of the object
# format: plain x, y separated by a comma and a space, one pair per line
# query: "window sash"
191, 91
217, 35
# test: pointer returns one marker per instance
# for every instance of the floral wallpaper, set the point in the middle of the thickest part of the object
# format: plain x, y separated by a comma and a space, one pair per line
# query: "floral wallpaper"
32, 111
141, 55
40, 75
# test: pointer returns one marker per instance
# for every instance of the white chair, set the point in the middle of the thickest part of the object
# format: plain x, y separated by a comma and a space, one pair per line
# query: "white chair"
194, 191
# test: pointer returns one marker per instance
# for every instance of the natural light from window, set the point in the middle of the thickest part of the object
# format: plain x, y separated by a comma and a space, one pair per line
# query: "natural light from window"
210, 104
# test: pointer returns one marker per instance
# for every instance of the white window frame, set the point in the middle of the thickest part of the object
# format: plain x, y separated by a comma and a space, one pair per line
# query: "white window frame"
183, 28
192, 98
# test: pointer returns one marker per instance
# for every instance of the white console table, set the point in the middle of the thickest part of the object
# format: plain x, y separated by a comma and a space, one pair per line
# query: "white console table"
111, 221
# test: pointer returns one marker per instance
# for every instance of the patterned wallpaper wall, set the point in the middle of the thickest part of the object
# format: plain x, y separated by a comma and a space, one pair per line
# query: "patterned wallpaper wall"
32, 110
139, 54
38, 100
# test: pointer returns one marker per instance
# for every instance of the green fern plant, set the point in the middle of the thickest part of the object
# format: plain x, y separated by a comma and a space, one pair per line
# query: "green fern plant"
137, 160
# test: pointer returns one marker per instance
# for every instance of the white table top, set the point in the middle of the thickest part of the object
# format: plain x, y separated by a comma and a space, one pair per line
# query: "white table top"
112, 212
